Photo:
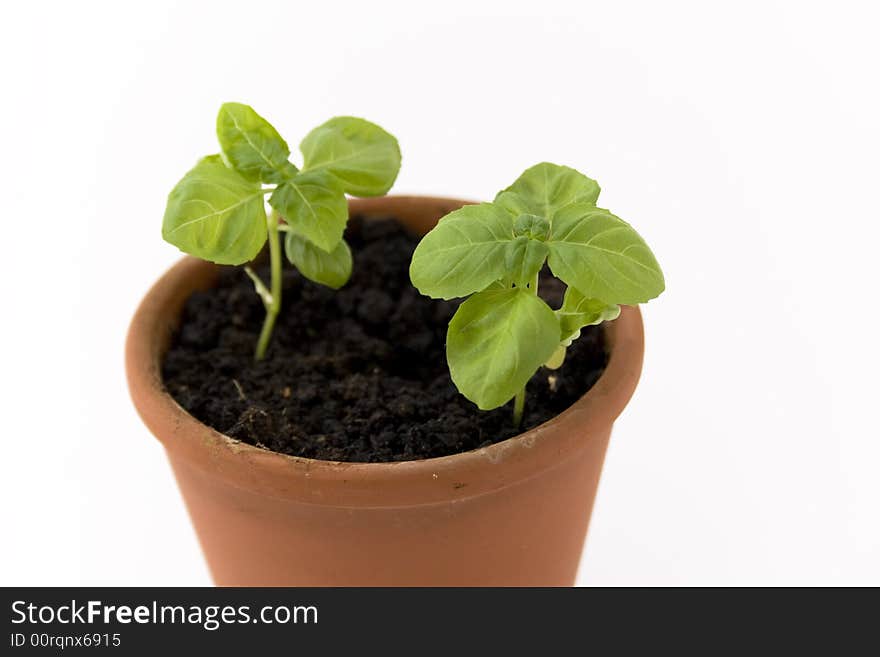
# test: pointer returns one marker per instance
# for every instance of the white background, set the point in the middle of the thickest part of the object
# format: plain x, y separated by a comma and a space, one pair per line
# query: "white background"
742, 142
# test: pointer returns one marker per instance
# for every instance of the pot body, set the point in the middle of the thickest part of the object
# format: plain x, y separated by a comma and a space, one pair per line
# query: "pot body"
512, 514
530, 533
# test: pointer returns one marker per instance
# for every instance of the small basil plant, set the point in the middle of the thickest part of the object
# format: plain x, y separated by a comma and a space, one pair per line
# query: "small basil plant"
493, 253
217, 211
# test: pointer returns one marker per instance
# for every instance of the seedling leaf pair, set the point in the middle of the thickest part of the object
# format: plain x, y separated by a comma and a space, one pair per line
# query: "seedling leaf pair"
217, 211
495, 251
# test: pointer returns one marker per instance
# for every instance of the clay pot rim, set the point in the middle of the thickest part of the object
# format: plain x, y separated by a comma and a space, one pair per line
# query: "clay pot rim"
358, 484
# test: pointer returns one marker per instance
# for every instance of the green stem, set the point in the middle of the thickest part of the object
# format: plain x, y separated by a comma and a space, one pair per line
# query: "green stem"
519, 402
274, 304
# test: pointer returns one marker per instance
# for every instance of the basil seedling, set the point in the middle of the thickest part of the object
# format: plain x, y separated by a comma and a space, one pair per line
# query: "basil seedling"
217, 210
493, 254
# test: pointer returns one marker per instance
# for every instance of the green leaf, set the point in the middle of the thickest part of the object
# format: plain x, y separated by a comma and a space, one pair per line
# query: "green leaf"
602, 256
464, 253
524, 259
527, 252
532, 226
314, 206
578, 311
496, 341
331, 269
557, 359
216, 214
546, 188
251, 145
360, 154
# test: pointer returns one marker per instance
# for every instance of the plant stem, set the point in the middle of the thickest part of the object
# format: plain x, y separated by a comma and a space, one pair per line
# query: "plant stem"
519, 402
274, 302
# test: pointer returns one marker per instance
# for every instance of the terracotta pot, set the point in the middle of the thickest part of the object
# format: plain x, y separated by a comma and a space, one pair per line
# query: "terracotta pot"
515, 513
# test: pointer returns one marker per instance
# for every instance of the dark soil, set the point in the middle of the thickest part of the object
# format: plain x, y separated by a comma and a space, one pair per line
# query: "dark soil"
357, 374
